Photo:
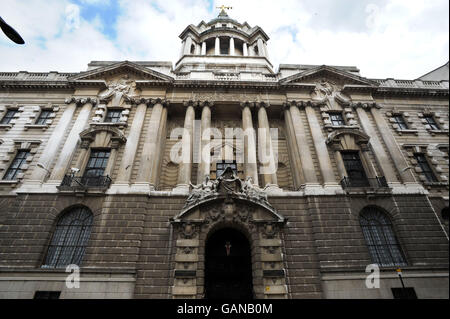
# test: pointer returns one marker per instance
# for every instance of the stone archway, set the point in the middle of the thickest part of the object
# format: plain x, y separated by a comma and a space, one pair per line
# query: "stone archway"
229, 203
228, 265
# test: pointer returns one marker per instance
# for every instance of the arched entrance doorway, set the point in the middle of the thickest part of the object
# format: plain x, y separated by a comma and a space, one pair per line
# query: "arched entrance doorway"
228, 267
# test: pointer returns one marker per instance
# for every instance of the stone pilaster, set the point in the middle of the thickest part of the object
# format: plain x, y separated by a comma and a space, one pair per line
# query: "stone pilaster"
296, 164
378, 150
51, 148
150, 152
400, 163
250, 166
303, 147
129, 154
70, 145
320, 146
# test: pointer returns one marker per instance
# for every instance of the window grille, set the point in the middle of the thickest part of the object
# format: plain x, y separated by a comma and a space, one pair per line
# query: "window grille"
380, 238
43, 117
400, 121
113, 116
69, 239
337, 119
426, 168
8, 116
431, 122
16, 166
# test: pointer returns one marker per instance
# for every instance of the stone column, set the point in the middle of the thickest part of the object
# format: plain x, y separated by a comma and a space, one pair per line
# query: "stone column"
301, 139
250, 166
400, 163
266, 51
245, 49
232, 51
296, 166
266, 152
340, 163
260, 47
217, 46
187, 46
65, 157
378, 150
51, 148
203, 48
205, 152
129, 153
150, 151
320, 146
185, 167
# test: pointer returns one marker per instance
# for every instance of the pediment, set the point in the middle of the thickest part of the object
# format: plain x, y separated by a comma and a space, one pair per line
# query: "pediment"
125, 67
327, 73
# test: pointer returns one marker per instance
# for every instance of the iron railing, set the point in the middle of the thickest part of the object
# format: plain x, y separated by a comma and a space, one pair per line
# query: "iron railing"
377, 182
70, 181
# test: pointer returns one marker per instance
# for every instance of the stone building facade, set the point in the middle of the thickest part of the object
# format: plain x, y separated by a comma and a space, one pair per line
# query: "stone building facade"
333, 172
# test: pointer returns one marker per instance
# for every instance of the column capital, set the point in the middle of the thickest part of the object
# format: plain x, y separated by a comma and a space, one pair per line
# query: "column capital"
365, 105
149, 102
262, 104
80, 101
248, 104
302, 104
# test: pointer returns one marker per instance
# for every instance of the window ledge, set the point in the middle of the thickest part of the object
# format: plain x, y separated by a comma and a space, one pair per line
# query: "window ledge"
7, 126
342, 127
36, 126
119, 124
407, 131
5, 182
436, 184
432, 132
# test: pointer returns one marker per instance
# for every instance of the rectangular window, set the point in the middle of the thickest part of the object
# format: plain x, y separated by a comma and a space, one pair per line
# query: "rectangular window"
221, 166
400, 121
47, 294
43, 117
431, 122
16, 165
8, 116
404, 293
355, 170
97, 163
426, 168
337, 119
113, 116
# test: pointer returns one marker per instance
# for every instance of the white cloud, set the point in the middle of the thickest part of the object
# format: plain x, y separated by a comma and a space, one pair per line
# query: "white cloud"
404, 39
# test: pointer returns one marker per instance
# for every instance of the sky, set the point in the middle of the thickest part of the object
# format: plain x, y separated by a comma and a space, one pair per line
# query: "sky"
400, 39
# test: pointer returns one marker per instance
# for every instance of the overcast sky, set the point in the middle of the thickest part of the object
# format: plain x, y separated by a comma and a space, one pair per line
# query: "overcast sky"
402, 39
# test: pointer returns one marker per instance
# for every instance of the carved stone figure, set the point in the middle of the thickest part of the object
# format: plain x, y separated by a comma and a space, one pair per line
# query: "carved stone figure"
124, 87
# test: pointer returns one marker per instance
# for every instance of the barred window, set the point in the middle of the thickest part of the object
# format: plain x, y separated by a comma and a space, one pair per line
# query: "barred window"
431, 122
400, 121
380, 238
337, 119
113, 116
426, 168
69, 239
8, 116
43, 117
16, 166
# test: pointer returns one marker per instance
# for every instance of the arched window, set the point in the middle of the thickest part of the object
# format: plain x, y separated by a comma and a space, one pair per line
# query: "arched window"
380, 238
69, 239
